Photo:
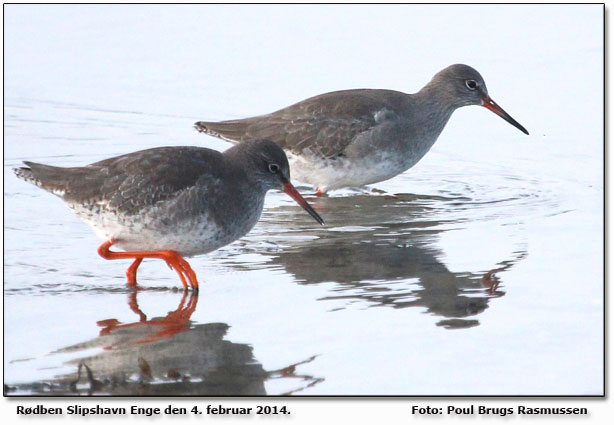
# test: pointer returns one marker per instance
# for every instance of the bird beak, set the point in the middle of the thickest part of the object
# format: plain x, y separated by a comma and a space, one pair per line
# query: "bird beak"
290, 190
490, 104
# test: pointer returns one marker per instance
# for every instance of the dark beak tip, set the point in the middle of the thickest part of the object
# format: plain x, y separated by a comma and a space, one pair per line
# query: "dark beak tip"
489, 104
290, 190
524, 130
521, 128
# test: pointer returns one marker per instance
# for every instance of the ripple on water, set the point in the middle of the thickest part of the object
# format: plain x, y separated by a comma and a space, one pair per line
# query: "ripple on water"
384, 249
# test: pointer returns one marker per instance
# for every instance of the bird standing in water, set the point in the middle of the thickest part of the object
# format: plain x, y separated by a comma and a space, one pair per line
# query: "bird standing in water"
171, 202
358, 137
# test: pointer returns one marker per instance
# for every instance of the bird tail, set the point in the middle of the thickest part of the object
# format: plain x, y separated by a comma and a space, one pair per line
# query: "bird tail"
232, 131
25, 173
44, 176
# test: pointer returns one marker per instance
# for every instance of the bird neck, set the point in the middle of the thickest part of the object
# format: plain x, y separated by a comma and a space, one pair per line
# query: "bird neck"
432, 110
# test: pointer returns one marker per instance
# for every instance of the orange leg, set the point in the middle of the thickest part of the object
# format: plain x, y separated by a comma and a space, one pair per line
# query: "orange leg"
131, 272
172, 258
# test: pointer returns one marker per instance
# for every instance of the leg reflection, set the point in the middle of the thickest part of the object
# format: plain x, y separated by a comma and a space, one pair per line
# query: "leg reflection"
160, 328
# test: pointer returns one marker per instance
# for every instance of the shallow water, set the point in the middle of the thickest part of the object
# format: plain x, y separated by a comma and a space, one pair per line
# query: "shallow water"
479, 271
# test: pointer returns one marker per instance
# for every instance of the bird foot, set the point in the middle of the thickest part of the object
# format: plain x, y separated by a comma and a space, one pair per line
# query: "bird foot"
182, 267
172, 258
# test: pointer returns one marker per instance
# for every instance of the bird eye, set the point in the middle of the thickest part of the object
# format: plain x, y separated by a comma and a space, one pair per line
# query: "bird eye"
471, 84
274, 168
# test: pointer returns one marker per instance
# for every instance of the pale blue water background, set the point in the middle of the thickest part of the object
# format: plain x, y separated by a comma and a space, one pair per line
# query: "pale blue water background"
388, 297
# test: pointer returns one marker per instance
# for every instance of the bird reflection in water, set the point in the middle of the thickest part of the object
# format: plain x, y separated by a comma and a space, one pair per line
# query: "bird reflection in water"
175, 322
171, 355
382, 251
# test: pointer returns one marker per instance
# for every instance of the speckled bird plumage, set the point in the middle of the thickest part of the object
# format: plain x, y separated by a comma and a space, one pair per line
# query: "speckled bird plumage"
357, 137
188, 199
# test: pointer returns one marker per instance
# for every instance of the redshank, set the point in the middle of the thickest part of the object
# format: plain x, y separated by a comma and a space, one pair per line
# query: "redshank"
171, 202
358, 137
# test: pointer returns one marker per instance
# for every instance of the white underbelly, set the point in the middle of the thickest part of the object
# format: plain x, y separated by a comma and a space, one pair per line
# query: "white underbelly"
331, 174
198, 235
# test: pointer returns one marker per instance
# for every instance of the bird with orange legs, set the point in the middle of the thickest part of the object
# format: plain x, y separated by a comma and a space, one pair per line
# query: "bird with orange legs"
171, 202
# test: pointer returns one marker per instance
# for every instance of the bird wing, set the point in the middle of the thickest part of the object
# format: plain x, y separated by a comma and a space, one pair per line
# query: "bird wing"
134, 181
325, 125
